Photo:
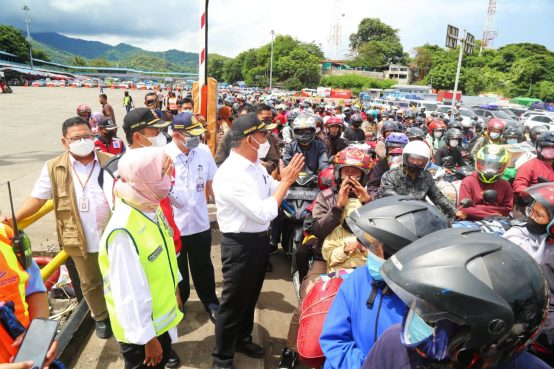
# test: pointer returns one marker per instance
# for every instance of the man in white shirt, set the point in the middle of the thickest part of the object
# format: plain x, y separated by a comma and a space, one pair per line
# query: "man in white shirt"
247, 200
81, 207
194, 172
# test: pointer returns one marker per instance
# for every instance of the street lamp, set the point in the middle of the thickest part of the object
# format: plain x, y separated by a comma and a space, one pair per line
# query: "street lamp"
26, 9
271, 62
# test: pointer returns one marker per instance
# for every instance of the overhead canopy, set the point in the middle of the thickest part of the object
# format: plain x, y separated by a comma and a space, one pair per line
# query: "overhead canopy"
11, 72
525, 101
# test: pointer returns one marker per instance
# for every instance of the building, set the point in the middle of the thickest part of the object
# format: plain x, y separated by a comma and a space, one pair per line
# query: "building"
400, 73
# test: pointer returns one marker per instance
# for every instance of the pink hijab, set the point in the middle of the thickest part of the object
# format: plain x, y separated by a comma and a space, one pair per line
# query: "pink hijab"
141, 184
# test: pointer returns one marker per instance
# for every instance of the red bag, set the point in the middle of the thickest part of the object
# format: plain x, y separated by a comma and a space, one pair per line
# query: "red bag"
315, 306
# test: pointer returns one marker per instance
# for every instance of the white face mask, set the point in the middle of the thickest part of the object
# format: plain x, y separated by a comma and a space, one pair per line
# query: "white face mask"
158, 141
453, 143
82, 147
511, 141
437, 134
262, 149
186, 111
494, 135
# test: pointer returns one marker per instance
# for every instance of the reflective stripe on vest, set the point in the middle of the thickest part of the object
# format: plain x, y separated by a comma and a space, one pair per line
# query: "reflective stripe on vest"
13, 278
156, 252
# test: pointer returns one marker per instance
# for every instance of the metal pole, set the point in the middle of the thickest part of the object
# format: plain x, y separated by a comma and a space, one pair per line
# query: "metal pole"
271, 62
28, 23
462, 45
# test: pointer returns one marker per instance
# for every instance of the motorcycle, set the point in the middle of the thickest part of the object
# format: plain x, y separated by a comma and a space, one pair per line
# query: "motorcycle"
300, 196
449, 180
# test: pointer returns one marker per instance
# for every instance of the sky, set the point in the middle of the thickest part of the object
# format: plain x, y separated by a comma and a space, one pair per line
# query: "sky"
237, 25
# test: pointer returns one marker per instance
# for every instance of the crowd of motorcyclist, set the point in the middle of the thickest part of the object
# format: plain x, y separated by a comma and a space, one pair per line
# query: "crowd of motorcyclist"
369, 159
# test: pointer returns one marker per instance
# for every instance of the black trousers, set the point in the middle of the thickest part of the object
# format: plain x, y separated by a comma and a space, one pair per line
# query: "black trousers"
196, 252
133, 355
244, 257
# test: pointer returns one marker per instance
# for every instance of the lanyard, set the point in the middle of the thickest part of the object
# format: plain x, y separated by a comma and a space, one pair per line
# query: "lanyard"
88, 178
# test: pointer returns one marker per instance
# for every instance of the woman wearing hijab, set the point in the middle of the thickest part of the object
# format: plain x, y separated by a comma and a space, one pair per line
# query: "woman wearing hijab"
138, 262
224, 123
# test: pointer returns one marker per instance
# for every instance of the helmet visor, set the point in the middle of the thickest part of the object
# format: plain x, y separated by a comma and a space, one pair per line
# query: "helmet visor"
490, 165
415, 160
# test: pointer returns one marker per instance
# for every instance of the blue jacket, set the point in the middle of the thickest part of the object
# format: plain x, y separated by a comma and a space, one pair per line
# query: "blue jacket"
389, 353
315, 155
349, 329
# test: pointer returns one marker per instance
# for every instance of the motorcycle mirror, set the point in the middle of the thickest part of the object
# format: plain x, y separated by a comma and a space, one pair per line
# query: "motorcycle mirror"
466, 203
446, 159
489, 196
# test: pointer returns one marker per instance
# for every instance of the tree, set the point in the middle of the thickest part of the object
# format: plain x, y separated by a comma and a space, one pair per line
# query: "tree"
100, 62
78, 61
12, 41
216, 66
372, 29
40, 54
376, 44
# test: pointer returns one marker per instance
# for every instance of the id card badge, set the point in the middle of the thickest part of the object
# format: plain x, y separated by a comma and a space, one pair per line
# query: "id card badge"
83, 205
199, 184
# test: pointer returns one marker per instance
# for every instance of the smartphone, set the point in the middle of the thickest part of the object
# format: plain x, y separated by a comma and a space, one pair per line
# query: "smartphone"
37, 342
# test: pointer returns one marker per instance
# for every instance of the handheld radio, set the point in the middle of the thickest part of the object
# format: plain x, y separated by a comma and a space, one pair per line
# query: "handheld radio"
21, 244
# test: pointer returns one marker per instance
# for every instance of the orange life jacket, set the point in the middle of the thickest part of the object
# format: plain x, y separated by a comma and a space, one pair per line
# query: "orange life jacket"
13, 283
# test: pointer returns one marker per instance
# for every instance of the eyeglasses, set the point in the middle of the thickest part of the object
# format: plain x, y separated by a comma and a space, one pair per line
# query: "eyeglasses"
538, 216
78, 138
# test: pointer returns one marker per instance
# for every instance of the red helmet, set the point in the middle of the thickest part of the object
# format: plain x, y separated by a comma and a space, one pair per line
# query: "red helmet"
353, 157
436, 124
326, 178
84, 109
497, 124
334, 121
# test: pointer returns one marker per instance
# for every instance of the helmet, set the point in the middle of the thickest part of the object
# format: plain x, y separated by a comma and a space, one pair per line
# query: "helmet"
416, 150
415, 133
396, 221
419, 120
389, 126
468, 123
346, 111
446, 120
462, 281
434, 114
334, 121
292, 116
491, 161
512, 134
544, 140
409, 113
453, 134
326, 178
229, 100
356, 120
352, 157
436, 125
497, 124
544, 193
304, 121
535, 132
396, 139
454, 124
84, 109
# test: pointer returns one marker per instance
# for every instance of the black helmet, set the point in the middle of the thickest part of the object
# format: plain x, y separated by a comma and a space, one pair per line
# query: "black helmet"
545, 139
292, 116
419, 120
489, 293
453, 134
454, 124
356, 120
535, 132
396, 221
389, 126
512, 134
446, 120
415, 133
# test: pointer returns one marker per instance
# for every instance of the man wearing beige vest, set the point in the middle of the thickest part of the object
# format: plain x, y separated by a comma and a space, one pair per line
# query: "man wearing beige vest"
81, 208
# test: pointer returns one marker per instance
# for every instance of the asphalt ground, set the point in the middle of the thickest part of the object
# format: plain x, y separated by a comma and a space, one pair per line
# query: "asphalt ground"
30, 128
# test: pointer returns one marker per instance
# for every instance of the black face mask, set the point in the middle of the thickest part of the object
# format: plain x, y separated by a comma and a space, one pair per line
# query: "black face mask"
109, 135
534, 227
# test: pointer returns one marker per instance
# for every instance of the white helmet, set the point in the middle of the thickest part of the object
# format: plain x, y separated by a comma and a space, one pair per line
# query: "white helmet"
419, 151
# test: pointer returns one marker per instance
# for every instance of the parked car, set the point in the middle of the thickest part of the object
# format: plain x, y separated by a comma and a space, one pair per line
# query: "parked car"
39, 83
488, 112
538, 120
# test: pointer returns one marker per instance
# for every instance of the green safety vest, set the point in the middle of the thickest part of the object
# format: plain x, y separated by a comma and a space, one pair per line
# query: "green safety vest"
156, 252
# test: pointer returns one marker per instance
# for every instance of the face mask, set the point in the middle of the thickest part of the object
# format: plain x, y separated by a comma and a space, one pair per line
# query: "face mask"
511, 141
262, 149
494, 135
82, 147
109, 135
394, 161
374, 263
453, 143
547, 152
415, 330
437, 134
186, 111
190, 142
433, 343
535, 228
158, 141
